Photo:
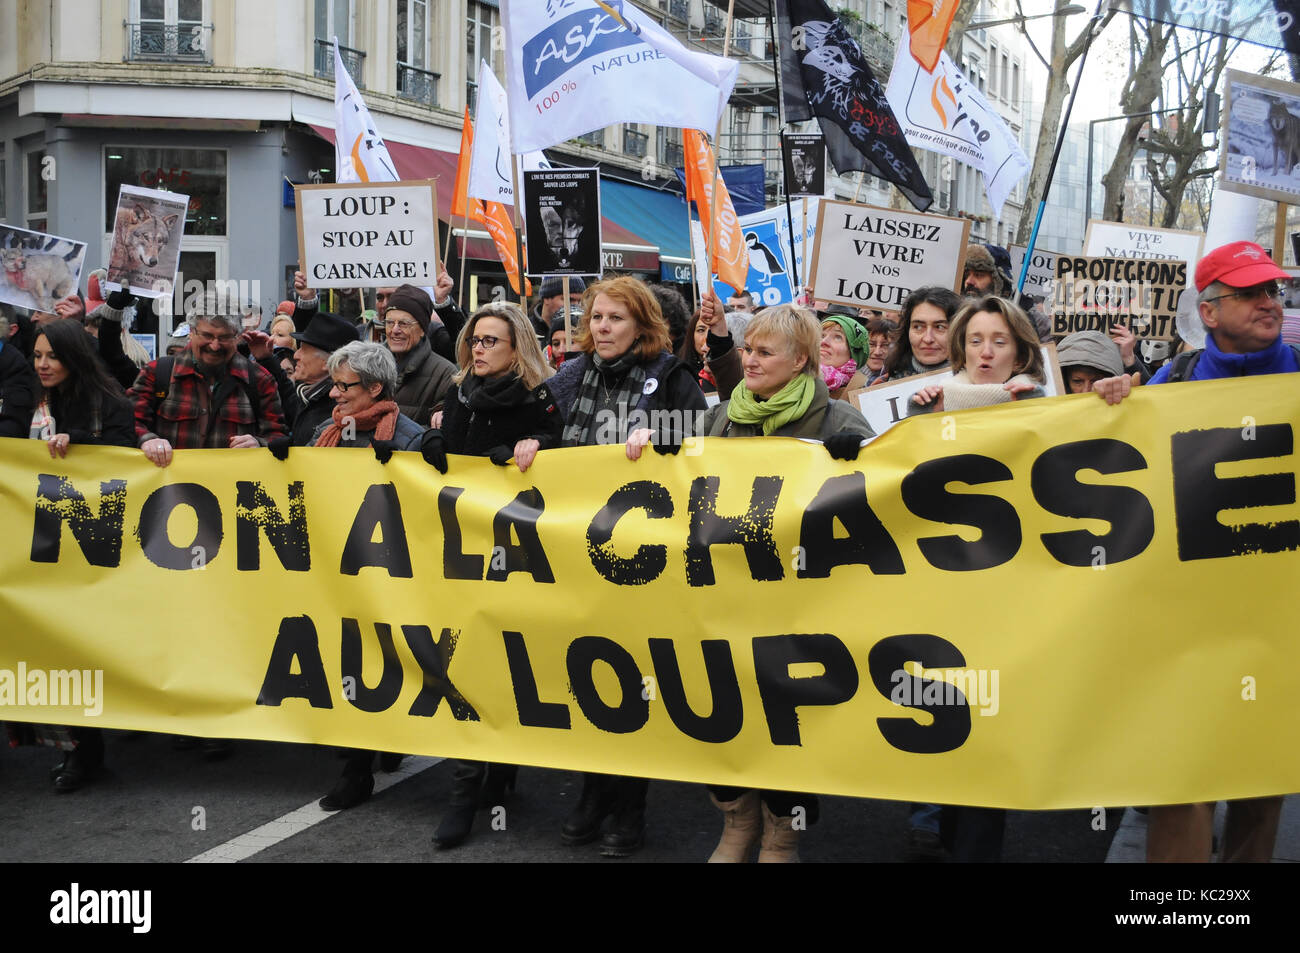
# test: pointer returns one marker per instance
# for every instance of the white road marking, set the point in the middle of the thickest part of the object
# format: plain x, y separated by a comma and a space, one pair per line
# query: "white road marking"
295, 822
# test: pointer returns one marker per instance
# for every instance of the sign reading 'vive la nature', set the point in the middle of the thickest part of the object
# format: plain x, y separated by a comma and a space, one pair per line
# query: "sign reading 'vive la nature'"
747, 612
875, 257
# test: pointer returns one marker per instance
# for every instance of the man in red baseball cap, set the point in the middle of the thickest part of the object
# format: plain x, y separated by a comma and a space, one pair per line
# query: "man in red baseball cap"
1241, 307
1240, 304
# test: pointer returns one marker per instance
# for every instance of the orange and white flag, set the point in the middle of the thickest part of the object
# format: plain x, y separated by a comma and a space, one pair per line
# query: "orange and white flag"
493, 216
730, 255
929, 21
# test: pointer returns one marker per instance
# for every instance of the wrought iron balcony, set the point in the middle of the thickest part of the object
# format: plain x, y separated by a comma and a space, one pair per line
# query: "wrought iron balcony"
157, 42
594, 138
354, 60
417, 84
679, 9
634, 143
670, 153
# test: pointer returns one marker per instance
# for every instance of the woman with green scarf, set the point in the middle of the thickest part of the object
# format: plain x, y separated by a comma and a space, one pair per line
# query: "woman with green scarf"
782, 395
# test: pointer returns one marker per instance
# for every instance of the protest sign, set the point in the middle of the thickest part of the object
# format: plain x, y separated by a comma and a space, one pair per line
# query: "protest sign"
876, 257
1116, 239
886, 404
368, 234
1042, 270
700, 617
767, 236
147, 232
1096, 294
562, 209
1260, 150
805, 165
37, 269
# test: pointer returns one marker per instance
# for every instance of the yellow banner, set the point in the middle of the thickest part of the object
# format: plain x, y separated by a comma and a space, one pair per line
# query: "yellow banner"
1101, 599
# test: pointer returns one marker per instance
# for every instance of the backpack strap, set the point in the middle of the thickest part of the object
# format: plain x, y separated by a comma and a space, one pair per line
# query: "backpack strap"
1180, 368
162, 376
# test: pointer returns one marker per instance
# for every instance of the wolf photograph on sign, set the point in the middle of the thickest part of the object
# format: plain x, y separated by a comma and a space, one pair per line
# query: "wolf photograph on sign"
147, 231
1261, 136
36, 269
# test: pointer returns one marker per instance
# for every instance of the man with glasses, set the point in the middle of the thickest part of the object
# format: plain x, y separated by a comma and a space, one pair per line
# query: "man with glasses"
1241, 307
208, 395
423, 377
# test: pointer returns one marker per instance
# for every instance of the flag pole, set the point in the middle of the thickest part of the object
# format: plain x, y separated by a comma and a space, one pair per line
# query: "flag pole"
464, 246
519, 233
1056, 153
717, 158
861, 176
780, 109
568, 321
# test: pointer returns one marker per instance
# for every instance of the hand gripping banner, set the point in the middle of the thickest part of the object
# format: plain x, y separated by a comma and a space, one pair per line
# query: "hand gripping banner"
1047, 604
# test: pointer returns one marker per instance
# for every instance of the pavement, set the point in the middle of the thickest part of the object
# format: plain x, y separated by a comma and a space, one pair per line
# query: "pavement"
1130, 843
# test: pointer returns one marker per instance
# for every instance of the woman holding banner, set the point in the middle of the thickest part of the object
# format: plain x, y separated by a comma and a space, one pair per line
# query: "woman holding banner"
783, 395
922, 345
625, 388
500, 408
81, 403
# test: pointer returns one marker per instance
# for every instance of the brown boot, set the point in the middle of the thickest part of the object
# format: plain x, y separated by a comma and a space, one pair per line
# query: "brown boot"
780, 840
741, 823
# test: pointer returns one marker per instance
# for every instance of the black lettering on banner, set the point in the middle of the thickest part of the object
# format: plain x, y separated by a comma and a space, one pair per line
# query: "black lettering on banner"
382, 696
533, 712
783, 694
520, 515
434, 658
951, 725
844, 498
456, 563
295, 640
648, 562
98, 534
254, 510
379, 509
752, 529
1058, 490
1199, 495
632, 711
724, 722
157, 510
925, 493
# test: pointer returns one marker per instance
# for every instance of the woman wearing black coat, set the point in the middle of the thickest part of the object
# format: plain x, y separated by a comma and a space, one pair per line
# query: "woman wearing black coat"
80, 404
500, 408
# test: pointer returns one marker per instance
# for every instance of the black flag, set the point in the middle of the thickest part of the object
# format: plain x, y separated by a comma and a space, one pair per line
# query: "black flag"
825, 75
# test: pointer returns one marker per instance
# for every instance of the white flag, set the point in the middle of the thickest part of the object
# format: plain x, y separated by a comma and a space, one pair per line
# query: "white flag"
490, 177
942, 112
573, 68
359, 151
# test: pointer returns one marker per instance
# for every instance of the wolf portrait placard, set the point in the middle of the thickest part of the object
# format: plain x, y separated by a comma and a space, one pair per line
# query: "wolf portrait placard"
37, 269
147, 233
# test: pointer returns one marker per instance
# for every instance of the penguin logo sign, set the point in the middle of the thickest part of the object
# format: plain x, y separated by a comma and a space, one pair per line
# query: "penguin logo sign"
768, 279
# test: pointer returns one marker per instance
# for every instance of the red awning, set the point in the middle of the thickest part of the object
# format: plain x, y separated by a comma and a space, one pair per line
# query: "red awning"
622, 250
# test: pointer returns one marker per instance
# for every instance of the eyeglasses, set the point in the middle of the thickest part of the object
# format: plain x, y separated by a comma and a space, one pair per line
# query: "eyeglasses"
488, 342
399, 325
1271, 291
206, 337
344, 386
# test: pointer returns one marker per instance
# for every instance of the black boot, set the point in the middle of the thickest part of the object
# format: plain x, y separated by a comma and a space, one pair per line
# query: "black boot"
81, 763
626, 833
500, 779
596, 801
355, 785
456, 823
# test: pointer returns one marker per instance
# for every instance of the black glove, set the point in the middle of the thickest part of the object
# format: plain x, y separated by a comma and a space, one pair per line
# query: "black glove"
384, 449
844, 445
120, 300
279, 447
434, 450
671, 442
501, 455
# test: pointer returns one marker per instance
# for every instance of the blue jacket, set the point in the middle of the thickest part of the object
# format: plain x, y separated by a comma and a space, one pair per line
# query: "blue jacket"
1213, 364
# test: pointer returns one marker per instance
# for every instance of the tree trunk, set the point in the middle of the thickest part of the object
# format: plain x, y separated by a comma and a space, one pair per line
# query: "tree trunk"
1140, 91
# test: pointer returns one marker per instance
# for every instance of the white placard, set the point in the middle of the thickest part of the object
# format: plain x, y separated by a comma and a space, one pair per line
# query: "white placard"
1042, 269
875, 257
146, 249
368, 235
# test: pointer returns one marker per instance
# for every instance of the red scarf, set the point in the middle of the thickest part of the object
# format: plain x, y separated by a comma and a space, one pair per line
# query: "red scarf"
380, 417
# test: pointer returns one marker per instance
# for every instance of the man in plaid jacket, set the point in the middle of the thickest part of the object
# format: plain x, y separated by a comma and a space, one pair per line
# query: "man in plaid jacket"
215, 397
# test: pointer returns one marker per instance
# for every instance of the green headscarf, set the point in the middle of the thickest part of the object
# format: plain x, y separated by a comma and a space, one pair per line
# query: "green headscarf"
855, 335
789, 403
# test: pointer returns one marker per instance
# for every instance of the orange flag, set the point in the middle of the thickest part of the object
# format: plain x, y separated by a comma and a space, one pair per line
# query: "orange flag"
730, 255
492, 215
929, 22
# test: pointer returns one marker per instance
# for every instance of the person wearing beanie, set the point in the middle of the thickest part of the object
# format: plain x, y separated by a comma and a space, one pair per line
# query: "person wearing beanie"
423, 376
1087, 357
843, 352
551, 294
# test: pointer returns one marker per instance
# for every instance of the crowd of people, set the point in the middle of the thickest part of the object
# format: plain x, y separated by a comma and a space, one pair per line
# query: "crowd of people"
618, 362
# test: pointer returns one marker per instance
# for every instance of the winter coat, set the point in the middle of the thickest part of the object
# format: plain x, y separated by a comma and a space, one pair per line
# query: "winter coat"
407, 434
480, 416
113, 426
19, 391
823, 418
675, 388
423, 382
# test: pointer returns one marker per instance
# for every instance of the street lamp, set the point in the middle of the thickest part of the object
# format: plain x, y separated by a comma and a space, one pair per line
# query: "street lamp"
1019, 19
